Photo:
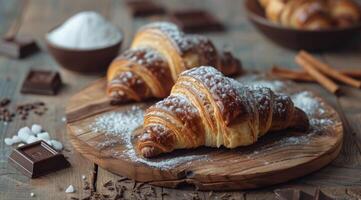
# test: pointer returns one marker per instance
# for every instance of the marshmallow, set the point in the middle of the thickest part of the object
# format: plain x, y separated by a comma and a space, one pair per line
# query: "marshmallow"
16, 139
8, 141
56, 144
36, 129
43, 136
70, 189
24, 133
32, 139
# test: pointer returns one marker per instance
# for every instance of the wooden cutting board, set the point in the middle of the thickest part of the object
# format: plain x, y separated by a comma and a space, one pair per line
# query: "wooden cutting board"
275, 158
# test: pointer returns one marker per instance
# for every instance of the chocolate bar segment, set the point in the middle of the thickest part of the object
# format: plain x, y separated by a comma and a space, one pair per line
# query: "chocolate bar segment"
193, 21
37, 159
144, 8
41, 82
18, 46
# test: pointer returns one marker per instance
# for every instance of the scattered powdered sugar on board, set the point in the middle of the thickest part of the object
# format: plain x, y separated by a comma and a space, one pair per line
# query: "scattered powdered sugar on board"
122, 125
308, 103
119, 123
162, 163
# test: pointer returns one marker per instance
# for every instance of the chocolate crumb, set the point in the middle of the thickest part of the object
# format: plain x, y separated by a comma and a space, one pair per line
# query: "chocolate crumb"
107, 184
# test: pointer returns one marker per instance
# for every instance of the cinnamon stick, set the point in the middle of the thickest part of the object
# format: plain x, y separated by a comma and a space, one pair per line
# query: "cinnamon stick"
351, 73
319, 77
291, 74
328, 70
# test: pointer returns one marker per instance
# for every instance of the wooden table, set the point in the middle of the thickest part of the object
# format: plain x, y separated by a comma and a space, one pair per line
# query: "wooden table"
341, 179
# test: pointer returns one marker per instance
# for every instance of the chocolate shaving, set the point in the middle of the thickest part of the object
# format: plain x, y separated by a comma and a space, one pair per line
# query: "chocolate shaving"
295, 194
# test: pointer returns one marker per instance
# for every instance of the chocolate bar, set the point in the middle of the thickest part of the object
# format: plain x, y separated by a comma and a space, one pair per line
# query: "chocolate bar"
18, 46
37, 159
144, 8
41, 82
192, 21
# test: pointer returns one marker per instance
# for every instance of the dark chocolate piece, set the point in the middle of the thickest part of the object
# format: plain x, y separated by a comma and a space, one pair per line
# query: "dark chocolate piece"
41, 82
295, 194
37, 159
18, 46
144, 8
192, 21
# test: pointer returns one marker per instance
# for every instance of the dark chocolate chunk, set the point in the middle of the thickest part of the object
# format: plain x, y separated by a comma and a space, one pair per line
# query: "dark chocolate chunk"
37, 159
144, 8
192, 21
18, 46
41, 82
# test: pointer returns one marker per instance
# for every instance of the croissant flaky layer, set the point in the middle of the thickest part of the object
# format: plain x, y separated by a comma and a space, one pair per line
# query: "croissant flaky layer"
205, 108
312, 14
158, 54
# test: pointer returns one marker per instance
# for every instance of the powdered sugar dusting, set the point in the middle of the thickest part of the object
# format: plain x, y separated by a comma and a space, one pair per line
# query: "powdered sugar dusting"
119, 123
273, 85
118, 128
308, 103
186, 42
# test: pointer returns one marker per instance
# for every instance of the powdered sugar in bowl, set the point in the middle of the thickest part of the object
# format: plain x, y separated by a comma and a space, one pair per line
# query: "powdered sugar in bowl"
85, 43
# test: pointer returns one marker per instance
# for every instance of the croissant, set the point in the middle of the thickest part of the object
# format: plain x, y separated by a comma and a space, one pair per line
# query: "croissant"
312, 14
205, 108
158, 54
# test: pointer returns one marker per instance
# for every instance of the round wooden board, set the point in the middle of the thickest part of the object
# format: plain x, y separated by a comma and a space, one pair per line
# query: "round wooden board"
275, 158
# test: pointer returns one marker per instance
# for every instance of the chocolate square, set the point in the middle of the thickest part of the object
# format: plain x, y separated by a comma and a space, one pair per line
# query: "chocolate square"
144, 8
193, 21
18, 46
37, 159
41, 82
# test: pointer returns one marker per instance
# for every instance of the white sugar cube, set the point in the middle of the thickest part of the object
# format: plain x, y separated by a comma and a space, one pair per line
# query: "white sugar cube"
56, 144
70, 189
32, 139
8, 141
16, 139
24, 133
44, 136
36, 129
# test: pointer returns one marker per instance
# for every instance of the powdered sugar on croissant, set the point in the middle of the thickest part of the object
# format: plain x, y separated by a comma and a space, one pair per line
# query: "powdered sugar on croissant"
205, 108
158, 54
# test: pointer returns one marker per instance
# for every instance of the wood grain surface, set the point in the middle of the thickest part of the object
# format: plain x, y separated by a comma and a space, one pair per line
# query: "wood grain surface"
341, 179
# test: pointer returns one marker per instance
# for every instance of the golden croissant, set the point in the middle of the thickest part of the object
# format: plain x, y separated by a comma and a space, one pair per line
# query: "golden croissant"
158, 54
205, 108
312, 14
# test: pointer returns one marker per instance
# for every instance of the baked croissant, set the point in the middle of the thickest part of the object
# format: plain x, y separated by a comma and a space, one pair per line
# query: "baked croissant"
312, 14
205, 108
158, 54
